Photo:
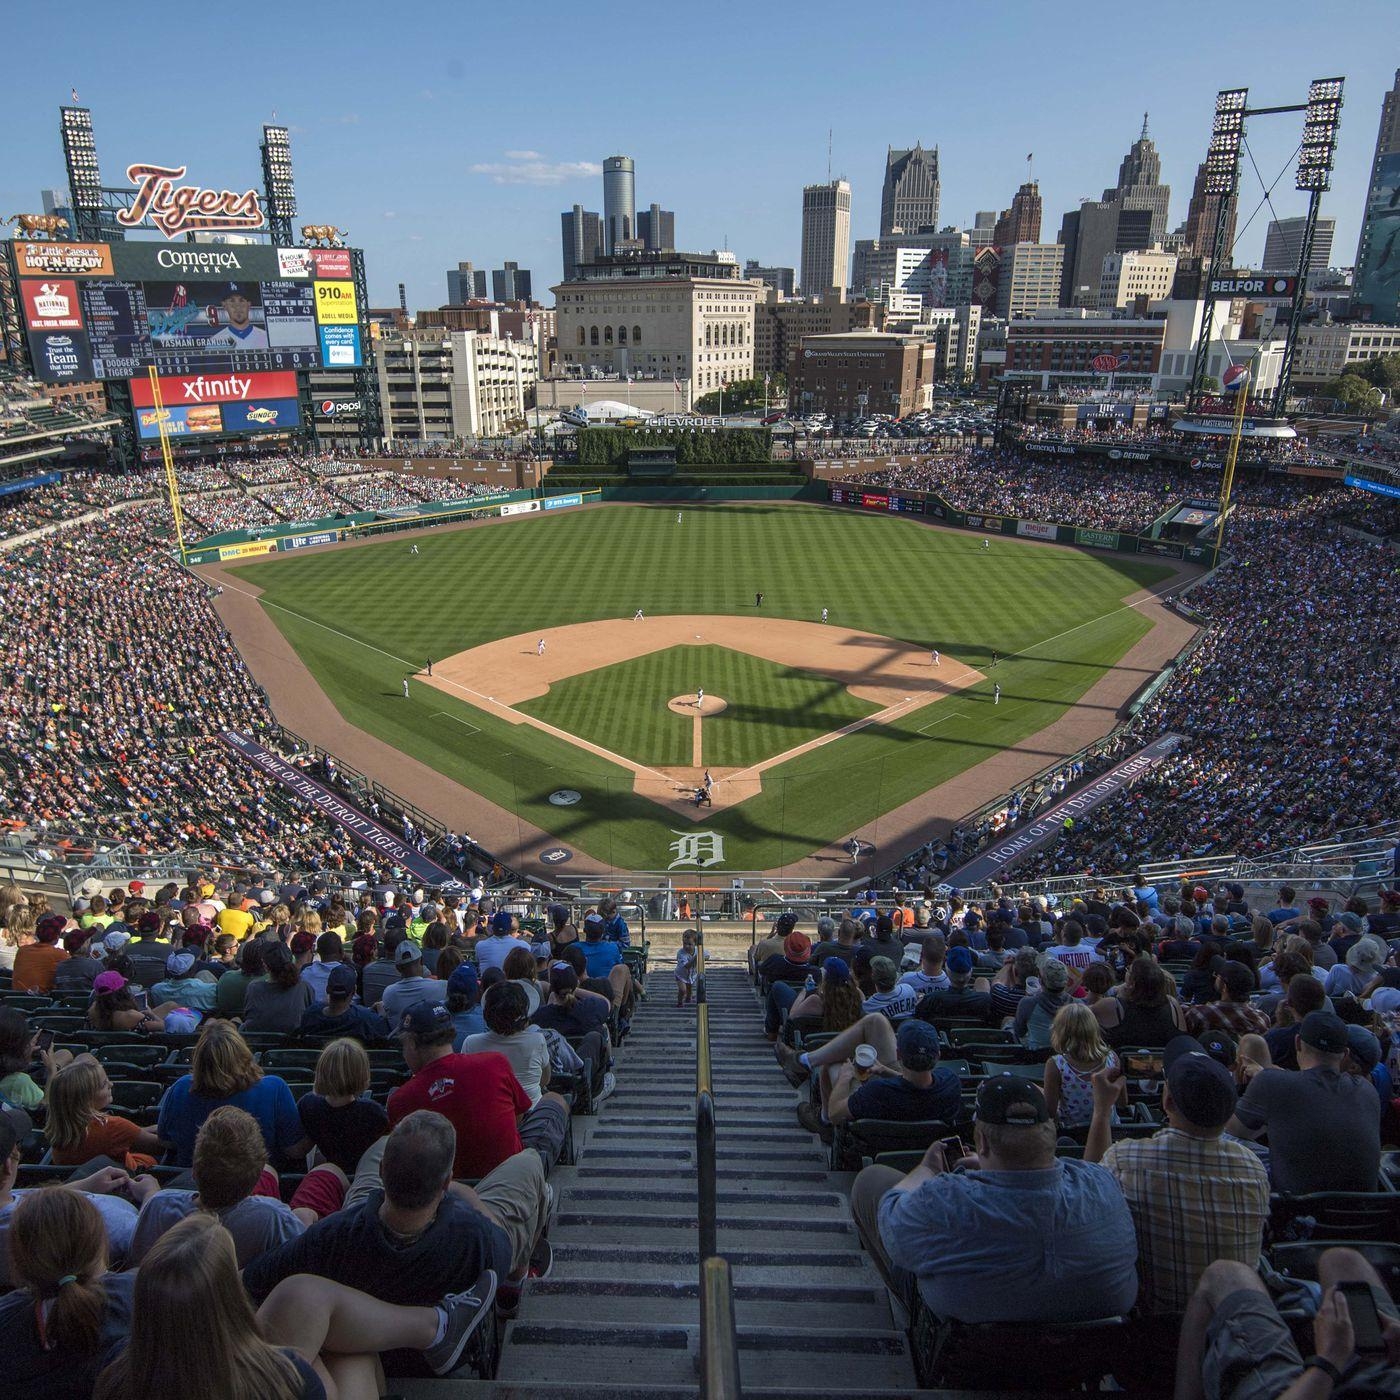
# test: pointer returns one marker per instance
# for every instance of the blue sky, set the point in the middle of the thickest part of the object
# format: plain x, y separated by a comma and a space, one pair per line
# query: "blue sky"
435, 131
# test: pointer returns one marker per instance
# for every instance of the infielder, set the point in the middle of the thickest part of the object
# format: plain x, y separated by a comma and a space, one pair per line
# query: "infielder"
413, 548
823, 614
700, 698
539, 650
405, 687
936, 657
986, 544
637, 616
996, 693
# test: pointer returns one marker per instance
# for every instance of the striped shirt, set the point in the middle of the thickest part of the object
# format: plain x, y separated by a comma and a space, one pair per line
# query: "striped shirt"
1193, 1200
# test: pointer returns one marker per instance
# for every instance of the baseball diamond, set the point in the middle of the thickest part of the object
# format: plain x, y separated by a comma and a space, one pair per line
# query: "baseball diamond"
826, 731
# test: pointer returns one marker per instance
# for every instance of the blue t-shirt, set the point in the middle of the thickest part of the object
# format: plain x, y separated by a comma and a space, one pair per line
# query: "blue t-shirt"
1055, 1245
270, 1101
600, 957
896, 1100
58, 1374
467, 1023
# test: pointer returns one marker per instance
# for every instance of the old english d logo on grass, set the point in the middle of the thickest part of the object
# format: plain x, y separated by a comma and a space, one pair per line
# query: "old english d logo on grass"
699, 848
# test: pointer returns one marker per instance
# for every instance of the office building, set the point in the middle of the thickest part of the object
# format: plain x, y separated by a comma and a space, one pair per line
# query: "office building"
897, 264
681, 316
862, 373
952, 333
780, 279
511, 283
1376, 290
983, 233
826, 238
656, 229
909, 196
1139, 186
439, 385
1322, 353
1149, 273
619, 201
582, 238
1283, 246
1197, 234
780, 327
1030, 278
1058, 347
1020, 223
466, 283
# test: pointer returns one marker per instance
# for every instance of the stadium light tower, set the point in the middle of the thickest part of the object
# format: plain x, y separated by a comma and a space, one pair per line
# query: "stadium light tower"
279, 189
84, 179
1321, 118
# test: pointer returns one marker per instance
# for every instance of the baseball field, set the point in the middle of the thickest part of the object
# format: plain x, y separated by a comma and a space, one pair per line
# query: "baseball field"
569, 653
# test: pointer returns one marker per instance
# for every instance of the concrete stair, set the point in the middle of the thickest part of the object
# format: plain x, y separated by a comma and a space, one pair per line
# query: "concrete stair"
619, 1315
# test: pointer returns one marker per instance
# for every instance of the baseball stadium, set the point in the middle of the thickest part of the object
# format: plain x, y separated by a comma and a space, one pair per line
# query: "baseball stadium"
901, 906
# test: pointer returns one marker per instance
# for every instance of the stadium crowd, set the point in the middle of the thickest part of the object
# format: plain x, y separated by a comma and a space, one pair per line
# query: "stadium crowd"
378, 1194
1113, 1113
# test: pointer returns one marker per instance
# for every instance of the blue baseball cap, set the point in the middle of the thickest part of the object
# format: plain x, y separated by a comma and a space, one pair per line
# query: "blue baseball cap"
425, 1018
917, 1045
464, 981
959, 960
501, 921
837, 969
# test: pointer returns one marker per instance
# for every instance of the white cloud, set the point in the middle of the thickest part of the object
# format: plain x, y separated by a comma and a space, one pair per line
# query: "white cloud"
390, 214
530, 168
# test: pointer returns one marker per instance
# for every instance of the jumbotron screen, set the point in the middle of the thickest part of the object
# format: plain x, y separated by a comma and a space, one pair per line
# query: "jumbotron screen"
117, 310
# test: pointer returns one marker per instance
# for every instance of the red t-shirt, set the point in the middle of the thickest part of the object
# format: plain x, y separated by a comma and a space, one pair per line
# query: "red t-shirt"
480, 1096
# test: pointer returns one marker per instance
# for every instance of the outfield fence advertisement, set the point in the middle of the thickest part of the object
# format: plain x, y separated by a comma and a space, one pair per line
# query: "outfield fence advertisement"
1037, 529
364, 829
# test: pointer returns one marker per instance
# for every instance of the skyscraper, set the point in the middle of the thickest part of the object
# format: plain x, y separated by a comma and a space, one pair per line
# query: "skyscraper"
1283, 245
1376, 286
1198, 232
582, 236
909, 199
465, 283
826, 238
619, 201
510, 283
656, 227
1139, 184
1020, 223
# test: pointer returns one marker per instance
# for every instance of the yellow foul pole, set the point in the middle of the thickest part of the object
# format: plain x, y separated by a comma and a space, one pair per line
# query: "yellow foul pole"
1227, 479
172, 485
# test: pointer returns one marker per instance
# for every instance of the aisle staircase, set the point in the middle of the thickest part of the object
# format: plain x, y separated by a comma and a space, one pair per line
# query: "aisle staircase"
620, 1313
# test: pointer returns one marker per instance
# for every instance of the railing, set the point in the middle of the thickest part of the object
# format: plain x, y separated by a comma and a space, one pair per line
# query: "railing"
719, 1341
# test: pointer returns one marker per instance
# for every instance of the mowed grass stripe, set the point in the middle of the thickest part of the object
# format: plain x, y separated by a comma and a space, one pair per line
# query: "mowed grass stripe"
888, 576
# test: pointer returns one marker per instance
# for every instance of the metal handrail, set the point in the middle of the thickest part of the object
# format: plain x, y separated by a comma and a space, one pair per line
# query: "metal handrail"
719, 1340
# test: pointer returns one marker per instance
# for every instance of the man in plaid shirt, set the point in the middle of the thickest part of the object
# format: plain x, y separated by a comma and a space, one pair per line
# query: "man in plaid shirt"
1195, 1195
1234, 984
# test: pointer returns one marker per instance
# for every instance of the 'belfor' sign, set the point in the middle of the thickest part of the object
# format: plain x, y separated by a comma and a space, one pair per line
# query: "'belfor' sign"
1252, 285
176, 209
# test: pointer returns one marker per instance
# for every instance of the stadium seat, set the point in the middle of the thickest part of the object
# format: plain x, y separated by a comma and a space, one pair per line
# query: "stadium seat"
861, 1138
1339, 1216
129, 1056
979, 1035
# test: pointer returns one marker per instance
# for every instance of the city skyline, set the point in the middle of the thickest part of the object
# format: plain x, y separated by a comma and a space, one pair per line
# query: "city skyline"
388, 162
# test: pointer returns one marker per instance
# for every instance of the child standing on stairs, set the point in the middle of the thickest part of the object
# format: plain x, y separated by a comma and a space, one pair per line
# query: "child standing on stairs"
685, 968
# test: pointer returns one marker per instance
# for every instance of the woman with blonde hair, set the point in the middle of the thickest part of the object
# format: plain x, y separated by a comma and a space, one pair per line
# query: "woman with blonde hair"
338, 1116
18, 931
836, 999
1080, 1051
79, 1127
222, 1071
68, 1313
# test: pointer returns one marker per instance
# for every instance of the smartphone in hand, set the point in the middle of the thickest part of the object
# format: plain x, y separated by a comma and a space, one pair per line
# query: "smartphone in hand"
1365, 1317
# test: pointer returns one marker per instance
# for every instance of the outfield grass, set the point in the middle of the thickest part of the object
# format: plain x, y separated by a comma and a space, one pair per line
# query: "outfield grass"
771, 708
362, 618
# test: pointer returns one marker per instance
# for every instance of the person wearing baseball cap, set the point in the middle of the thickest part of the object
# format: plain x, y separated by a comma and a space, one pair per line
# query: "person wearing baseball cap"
782, 976
1323, 1124
768, 947
1015, 1234
912, 1088
412, 986
1195, 1194
340, 1014
493, 946
964, 996
35, 963
185, 985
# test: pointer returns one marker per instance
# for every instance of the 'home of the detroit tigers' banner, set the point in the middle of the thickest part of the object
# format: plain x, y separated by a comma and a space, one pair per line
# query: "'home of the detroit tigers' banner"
364, 829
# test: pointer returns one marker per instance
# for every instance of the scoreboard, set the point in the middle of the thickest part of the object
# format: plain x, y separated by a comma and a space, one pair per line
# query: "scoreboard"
117, 310
850, 496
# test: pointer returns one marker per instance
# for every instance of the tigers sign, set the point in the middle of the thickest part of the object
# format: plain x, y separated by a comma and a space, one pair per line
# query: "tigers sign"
176, 209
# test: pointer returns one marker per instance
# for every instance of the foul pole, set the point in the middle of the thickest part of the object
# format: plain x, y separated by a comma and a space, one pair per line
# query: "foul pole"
1227, 479
172, 485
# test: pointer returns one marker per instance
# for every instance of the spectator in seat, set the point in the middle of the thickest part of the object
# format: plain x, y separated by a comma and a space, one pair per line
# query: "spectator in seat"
340, 1119
1287, 909
222, 1071
409, 1233
232, 995
779, 973
908, 1087
36, 963
1009, 985
1323, 1124
81, 968
478, 1094
339, 1015
381, 973
69, 1314
828, 942
148, 950
19, 1051
1145, 1012
964, 996
1018, 1235
80, 1129
1232, 1012
1035, 1013
583, 1018
412, 986
234, 1182
491, 948
509, 1032
1303, 997
769, 947
330, 952
1079, 1053
276, 1004
1071, 949
1234, 1342
184, 985
835, 1000
891, 998
1182, 941
1358, 968
929, 975
519, 968
464, 1004
1196, 1196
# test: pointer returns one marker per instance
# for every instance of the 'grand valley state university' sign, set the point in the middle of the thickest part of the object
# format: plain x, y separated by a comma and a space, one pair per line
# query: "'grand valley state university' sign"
176, 209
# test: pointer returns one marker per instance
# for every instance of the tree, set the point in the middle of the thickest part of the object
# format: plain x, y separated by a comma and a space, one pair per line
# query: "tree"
744, 394
1355, 393
1383, 372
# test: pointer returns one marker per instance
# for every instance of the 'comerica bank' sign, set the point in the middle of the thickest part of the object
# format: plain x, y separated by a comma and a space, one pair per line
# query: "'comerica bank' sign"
176, 209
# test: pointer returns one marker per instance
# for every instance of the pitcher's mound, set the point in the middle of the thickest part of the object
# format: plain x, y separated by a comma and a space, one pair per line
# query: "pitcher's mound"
686, 705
